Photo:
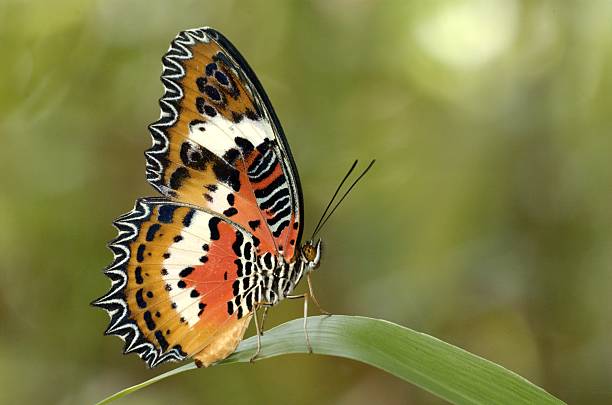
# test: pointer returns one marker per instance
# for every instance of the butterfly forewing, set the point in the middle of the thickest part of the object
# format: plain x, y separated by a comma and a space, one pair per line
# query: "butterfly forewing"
218, 144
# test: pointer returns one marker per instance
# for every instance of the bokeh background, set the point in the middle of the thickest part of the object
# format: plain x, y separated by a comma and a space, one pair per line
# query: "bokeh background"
486, 221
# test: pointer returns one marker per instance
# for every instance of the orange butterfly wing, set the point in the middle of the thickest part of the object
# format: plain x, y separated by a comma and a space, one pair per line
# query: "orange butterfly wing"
218, 143
182, 279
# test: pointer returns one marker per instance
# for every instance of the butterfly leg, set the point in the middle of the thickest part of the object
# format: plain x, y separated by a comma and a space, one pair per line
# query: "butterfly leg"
259, 332
263, 318
259, 328
305, 297
314, 299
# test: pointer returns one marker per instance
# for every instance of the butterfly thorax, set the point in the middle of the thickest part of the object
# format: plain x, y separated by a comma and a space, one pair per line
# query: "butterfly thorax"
273, 279
278, 278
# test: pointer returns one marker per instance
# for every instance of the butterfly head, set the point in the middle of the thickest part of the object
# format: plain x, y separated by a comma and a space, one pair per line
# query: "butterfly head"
311, 254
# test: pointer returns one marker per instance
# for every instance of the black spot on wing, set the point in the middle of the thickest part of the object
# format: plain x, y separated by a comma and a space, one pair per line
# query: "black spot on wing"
200, 103
210, 110
254, 224
149, 320
186, 272
138, 275
231, 155
227, 175
221, 78
238, 263
213, 226
193, 123
230, 212
166, 212
249, 301
140, 300
201, 308
201, 83
247, 251
188, 217
178, 177
237, 245
151, 232
244, 144
140, 253
212, 93
210, 68
223, 60
163, 343
267, 258
194, 156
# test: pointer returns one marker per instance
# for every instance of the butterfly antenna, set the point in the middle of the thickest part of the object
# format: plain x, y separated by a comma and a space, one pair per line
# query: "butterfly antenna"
333, 197
344, 196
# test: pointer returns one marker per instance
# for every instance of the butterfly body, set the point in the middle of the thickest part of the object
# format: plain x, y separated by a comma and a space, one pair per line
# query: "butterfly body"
192, 267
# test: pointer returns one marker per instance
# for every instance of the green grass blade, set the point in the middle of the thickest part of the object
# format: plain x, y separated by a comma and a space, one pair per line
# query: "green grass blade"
438, 367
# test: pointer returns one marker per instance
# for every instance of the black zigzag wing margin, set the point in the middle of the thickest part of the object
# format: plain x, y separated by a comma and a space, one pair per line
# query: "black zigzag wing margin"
114, 302
172, 71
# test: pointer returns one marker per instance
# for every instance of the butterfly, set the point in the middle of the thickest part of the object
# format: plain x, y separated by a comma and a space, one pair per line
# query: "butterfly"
192, 267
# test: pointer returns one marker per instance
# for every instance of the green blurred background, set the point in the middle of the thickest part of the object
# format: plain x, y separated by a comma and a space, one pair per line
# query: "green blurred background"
486, 221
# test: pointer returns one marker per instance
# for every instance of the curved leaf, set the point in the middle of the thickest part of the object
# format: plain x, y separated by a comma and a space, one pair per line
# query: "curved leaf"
438, 367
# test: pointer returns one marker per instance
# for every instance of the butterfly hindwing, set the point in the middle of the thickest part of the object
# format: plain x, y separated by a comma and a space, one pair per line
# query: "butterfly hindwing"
218, 143
184, 282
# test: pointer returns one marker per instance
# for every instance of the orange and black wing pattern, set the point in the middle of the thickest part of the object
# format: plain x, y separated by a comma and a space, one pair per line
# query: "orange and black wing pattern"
183, 283
218, 143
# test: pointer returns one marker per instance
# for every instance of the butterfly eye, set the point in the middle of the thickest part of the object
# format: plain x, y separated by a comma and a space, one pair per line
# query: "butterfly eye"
309, 252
